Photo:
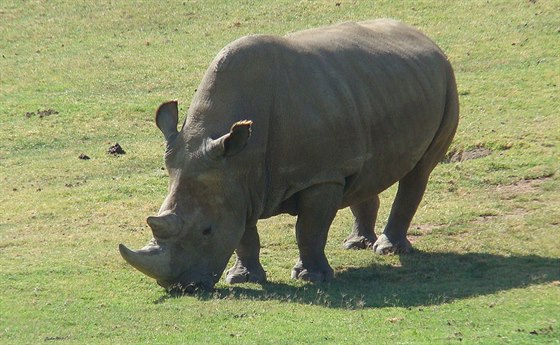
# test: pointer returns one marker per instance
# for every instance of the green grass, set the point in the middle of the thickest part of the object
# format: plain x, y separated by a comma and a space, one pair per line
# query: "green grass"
487, 268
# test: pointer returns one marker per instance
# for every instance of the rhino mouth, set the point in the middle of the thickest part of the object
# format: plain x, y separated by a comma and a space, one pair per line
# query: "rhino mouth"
190, 283
188, 288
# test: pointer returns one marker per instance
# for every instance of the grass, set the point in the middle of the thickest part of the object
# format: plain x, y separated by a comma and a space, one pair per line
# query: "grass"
487, 268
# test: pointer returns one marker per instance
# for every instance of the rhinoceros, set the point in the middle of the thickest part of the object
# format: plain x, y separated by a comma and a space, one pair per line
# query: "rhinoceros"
304, 124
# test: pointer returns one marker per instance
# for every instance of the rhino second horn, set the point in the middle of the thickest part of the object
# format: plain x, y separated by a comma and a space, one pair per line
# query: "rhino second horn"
153, 261
163, 226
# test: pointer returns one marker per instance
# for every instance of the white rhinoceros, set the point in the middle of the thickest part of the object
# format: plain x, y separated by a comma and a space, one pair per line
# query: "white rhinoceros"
304, 124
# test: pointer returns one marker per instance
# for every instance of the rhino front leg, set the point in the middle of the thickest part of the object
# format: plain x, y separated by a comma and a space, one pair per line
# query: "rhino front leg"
247, 267
317, 207
363, 234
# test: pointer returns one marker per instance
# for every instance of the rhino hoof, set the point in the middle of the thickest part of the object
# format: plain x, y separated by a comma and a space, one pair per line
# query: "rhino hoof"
383, 246
358, 242
239, 274
312, 276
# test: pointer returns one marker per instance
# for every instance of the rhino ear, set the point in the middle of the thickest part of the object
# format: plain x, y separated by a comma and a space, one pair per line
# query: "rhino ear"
231, 143
167, 117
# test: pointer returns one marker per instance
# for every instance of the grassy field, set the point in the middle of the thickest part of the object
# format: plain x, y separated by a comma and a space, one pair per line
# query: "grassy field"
77, 77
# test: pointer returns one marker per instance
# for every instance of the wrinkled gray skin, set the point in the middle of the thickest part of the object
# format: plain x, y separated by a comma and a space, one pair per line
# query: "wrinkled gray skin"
334, 116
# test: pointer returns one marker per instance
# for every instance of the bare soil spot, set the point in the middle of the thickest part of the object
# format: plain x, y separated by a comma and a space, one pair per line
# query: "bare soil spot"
525, 186
455, 156
41, 113
485, 218
57, 338
512, 215
418, 230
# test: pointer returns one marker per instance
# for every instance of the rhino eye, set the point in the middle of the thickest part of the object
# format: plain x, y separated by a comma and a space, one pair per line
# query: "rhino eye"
207, 231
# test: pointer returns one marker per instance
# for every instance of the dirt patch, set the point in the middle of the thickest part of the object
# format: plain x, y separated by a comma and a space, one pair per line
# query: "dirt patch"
80, 181
41, 113
116, 150
455, 156
485, 218
525, 186
516, 213
418, 230
57, 338
424, 229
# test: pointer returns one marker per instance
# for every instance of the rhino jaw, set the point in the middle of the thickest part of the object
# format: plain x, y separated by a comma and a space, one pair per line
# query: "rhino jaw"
152, 260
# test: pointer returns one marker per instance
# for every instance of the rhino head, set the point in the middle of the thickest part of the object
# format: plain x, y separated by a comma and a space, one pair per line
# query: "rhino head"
203, 217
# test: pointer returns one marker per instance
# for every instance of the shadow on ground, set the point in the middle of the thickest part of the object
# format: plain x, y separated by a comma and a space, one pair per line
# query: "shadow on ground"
422, 279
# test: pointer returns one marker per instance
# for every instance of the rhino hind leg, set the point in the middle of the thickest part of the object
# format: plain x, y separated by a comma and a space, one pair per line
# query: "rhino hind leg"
363, 234
412, 186
317, 207
409, 194
247, 267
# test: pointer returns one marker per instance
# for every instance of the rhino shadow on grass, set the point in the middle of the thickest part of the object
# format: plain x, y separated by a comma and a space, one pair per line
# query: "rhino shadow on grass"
423, 279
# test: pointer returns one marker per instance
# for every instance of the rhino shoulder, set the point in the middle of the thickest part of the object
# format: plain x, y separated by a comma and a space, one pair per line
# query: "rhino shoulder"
247, 50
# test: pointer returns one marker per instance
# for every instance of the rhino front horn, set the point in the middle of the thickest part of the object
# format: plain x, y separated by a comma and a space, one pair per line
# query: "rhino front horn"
153, 261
